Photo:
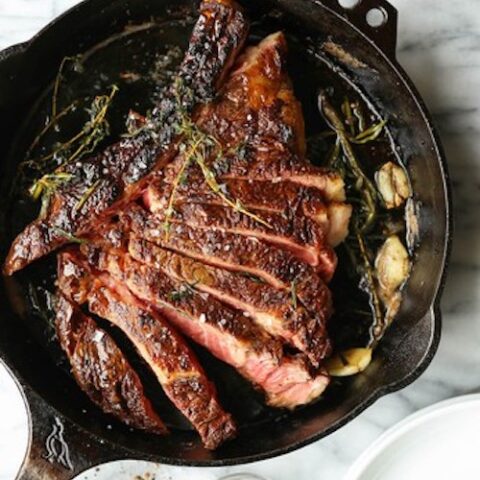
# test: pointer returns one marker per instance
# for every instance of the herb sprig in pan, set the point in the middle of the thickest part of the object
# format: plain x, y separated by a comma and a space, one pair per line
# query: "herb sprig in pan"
343, 158
197, 146
47, 170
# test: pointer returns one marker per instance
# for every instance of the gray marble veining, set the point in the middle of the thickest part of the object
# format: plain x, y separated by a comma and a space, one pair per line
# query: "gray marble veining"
439, 46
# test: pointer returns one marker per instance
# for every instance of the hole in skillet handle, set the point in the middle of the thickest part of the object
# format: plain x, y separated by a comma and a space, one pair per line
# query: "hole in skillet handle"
376, 19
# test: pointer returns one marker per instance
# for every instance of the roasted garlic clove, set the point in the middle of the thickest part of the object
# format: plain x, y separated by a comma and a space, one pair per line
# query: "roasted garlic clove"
392, 183
349, 362
392, 266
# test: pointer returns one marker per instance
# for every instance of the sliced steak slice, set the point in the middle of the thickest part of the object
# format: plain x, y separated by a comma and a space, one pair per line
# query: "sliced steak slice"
285, 198
272, 309
102, 371
259, 123
173, 363
287, 381
167, 354
118, 174
298, 234
237, 253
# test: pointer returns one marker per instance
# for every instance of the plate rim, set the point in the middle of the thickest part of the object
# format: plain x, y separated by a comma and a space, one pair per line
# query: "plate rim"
386, 439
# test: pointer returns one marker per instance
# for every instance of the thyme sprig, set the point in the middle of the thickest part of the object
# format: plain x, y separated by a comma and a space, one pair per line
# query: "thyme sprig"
55, 115
178, 181
46, 186
91, 134
217, 189
81, 144
51, 123
88, 193
78, 66
97, 127
48, 183
197, 146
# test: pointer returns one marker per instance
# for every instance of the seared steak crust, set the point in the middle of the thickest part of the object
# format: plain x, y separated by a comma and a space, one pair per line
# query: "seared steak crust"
115, 174
220, 248
167, 354
284, 198
272, 309
101, 369
300, 235
228, 334
178, 371
208, 222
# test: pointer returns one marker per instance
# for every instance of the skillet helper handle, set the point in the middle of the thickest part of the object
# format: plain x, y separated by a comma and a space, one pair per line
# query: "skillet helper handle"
58, 449
376, 19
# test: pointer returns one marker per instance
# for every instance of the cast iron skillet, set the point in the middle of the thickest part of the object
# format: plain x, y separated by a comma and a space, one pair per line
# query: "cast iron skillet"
59, 413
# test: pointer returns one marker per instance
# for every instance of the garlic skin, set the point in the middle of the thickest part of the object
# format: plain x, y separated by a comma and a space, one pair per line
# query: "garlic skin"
393, 185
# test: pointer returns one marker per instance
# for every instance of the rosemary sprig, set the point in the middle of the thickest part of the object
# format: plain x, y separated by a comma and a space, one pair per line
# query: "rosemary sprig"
370, 134
363, 196
363, 184
349, 120
358, 113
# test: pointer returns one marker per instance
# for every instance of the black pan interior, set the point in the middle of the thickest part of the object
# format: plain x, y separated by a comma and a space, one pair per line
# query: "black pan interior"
153, 27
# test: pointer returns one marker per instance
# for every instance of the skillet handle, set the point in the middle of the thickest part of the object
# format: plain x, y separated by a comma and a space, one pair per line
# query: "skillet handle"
376, 19
58, 449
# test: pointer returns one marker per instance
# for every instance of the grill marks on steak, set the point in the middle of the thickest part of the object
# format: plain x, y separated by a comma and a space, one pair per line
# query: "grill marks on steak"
287, 381
172, 361
118, 173
101, 369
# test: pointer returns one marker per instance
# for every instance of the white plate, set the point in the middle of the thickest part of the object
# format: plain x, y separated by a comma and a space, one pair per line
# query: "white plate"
441, 442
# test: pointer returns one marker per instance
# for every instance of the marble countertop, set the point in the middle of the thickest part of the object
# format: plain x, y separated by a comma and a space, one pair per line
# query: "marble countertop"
439, 46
